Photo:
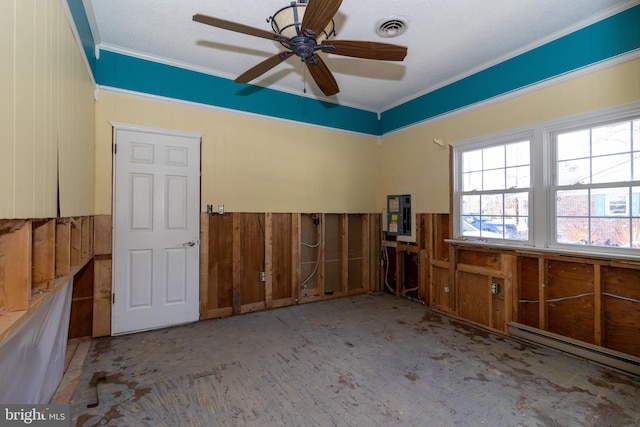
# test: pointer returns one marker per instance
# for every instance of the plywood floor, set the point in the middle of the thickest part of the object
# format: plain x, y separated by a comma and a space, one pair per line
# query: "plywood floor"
368, 360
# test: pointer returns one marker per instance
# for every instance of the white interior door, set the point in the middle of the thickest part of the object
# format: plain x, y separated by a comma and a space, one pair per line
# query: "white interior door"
156, 229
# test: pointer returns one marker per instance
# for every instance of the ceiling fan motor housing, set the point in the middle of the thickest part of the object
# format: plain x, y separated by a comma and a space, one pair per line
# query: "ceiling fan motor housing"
305, 45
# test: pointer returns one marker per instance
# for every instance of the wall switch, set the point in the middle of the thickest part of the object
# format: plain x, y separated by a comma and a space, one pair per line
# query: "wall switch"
263, 276
221, 209
446, 289
495, 288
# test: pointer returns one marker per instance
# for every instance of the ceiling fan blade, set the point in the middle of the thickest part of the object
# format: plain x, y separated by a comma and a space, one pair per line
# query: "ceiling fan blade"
262, 67
318, 14
366, 50
322, 76
238, 28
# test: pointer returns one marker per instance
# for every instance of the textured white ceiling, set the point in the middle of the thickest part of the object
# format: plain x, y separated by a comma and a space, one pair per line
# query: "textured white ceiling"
446, 39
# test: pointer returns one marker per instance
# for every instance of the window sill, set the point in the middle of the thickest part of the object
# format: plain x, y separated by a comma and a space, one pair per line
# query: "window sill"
536, 250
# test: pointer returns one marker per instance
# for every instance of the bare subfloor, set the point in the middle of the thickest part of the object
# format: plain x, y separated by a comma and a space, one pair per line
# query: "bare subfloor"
369, 360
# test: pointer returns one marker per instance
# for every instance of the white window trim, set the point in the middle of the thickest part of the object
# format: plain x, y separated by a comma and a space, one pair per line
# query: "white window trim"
542, 220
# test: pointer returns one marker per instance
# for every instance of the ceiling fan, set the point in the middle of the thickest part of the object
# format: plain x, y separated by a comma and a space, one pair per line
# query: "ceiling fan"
304, 28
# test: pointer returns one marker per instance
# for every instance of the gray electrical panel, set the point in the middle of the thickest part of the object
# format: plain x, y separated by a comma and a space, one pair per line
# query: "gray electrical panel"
399, 215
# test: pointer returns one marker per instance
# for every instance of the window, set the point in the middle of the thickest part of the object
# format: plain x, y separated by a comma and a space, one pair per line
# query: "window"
597, 185
569, 184
496, 182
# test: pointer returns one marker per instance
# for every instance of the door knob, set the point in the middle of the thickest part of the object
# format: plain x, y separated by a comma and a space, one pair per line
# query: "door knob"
191, 243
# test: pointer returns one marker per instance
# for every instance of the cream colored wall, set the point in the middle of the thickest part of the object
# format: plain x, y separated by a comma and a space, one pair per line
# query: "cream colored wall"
251, 164
46, 112
411, 160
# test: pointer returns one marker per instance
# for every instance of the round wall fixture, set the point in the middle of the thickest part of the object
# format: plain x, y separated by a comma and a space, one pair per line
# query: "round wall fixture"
391, 27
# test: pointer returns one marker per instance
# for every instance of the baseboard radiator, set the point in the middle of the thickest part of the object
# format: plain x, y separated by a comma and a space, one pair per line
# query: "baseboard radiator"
605, 356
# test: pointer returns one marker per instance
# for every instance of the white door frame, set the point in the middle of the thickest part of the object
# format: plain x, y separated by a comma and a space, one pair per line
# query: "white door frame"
116, 126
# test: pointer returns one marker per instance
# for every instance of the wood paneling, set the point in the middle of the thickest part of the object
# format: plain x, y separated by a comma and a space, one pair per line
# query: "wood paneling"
570, 308
474, 296
281, 256
333, 243
621, 306
43, 254
102, 296
528, 294
35, 264
81, 318
15, 265
289, 248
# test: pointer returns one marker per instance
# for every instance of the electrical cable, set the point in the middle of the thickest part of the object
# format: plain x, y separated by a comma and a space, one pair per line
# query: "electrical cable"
303, 285
386, 271
623, 298
559, 299
580, 296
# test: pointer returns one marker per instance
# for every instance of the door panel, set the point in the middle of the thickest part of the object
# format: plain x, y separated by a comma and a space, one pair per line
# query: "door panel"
156, 230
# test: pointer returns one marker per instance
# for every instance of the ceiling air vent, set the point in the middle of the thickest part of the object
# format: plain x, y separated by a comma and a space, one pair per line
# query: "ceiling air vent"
391, 27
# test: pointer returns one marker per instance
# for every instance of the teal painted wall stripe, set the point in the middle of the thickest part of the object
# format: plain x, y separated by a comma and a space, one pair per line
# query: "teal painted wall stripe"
139, 75
84, 31
603, 40
606, 39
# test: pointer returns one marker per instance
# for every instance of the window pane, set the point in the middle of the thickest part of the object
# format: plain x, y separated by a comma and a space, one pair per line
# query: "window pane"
518, 154
516, 204
573, 145
611, 139
472, 181
635, 202
635, 233
636, 135
518, 177
517, 228
636, 164
611, 168
493, 157
573, 172
572, 203
491, 204
492, 227
572, 230
610, 232
472, 161
610, 202
470, 205
493, 179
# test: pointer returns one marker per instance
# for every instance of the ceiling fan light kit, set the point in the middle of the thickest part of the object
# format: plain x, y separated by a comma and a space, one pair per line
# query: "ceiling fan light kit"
288, 22
304, 28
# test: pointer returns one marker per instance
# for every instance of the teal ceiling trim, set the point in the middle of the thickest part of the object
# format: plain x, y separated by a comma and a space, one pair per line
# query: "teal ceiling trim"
140, 75
611, 37
84, 31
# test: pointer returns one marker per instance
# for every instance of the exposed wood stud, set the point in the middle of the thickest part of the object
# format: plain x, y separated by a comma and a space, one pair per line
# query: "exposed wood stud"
268, 261
43, 254
15, 266
343, 226
542, 292
295, 256
237, 263
63, 247
204, 265
598, 308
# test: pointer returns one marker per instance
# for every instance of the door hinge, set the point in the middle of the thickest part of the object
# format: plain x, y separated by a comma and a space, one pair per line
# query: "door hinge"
113, 298
115, 148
